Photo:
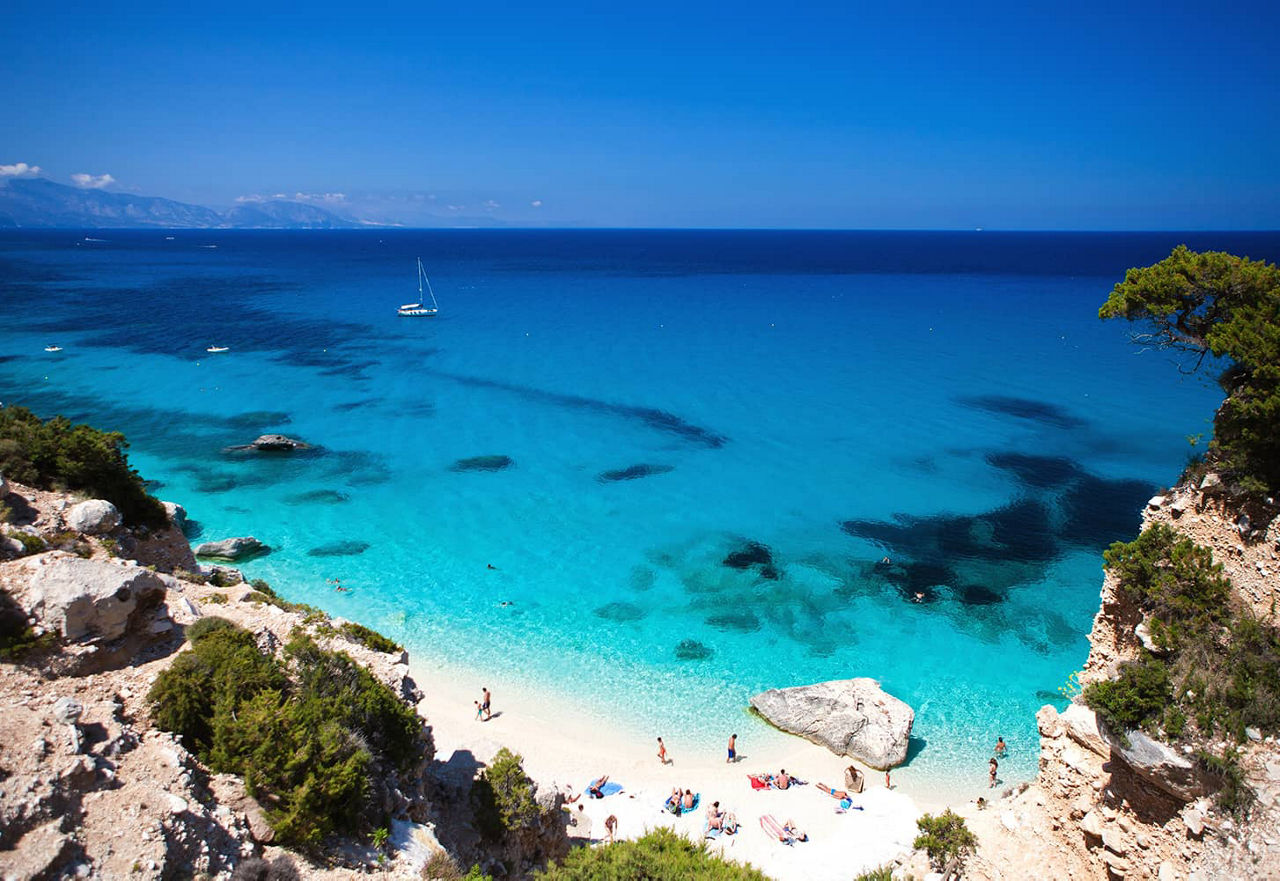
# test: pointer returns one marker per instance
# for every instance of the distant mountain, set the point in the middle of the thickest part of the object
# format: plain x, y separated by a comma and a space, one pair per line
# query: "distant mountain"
37, 202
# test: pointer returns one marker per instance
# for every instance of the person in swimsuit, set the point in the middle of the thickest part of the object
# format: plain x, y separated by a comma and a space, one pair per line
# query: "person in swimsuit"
686, 803
733, 749
845, 799
611, 826
662, 751
782, 781
715, 817
794, 831
593, 789
673, 800
484, 704
994, 767
1001, 747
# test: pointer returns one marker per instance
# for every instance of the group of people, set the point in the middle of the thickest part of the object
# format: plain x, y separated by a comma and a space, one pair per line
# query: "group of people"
483, 709
680, 801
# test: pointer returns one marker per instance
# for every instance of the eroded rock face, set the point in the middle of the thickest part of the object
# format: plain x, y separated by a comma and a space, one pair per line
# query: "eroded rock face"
176, 513
232, 549
93, 517
83, 599
850, 717
1161, 766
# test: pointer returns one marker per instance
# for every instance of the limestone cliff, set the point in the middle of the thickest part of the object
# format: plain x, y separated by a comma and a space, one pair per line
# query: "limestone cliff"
1097, 811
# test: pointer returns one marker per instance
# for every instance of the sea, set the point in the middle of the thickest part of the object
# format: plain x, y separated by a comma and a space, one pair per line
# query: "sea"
649, 472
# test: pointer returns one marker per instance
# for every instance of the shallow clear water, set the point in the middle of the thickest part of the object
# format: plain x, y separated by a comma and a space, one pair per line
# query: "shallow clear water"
947, 401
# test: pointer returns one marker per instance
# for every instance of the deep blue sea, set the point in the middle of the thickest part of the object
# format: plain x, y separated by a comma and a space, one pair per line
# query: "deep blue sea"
715, 440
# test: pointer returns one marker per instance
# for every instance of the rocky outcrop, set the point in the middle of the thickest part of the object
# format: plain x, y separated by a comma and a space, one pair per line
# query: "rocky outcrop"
176, 513
81, 599
1161, 765
94, 517
278, 443
850, 717
232, 549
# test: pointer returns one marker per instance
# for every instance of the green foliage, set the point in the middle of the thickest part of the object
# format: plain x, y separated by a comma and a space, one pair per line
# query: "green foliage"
1227, 306
1219, 670
59, 454
370, 639
1135, 699
282, 868
1173, 579
17, 639
305, 743
1235, 796
883, 873
218, 599
262, 593
660, 855
502, 797
379, 837
31, 544
944, 838
193, 577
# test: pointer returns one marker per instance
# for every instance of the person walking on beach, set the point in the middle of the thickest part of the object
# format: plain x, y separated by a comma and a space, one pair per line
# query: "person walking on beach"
733, 749
485, 703
995, 766
662, 752
479, 711
611, 826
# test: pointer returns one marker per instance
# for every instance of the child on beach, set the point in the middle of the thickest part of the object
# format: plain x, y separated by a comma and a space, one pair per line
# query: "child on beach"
662, 752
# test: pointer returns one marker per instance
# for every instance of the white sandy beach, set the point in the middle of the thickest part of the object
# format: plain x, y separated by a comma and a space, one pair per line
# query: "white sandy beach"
568, 746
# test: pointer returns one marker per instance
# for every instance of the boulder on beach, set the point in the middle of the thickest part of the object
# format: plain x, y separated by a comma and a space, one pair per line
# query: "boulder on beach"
83, 599
232, 549
93, 517
850, 717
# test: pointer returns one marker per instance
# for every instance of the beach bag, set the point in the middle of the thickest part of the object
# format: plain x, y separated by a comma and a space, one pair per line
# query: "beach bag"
853, 779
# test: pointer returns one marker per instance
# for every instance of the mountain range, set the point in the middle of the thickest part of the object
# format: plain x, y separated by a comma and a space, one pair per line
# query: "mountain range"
38, 202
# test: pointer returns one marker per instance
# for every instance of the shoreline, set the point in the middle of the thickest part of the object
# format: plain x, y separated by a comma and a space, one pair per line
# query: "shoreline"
567, 745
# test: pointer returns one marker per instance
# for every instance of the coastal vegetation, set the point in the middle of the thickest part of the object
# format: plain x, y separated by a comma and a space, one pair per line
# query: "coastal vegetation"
58, 454
658, 855
1228, 307
502, 797
946, 839
306, 734
370, 639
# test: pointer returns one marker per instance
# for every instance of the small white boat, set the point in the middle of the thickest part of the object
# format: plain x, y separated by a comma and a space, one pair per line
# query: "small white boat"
213, 350
420, 308
53, 348
168, 238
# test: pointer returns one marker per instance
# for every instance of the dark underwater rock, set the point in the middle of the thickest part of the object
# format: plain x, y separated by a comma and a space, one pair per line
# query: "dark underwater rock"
483, 463
318, 497
620, 612
634, 472
743, 622
692, 650
750, 554
339, 549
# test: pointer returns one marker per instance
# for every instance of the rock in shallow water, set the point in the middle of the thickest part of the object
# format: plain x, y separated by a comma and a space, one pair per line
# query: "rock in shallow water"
339, 549
752, 553
483, 463
850, 717
633, 472
692, 650
232, 549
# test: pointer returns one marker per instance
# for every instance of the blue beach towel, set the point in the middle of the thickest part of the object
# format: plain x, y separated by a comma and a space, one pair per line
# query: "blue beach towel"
608, 789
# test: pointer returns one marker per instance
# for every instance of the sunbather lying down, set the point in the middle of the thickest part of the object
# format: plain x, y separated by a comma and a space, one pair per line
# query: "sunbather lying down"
845, 799
593, 789
791, 829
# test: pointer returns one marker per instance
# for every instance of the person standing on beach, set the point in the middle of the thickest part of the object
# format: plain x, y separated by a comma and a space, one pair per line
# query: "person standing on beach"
662, 751
733, 749
484, 703
995, 766
611, 826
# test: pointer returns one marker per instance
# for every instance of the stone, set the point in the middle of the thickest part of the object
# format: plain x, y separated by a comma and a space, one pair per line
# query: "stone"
278, 443
1116, 864
67, 711
1166, 872
1253, 734
232, 549
1081, 725
177, 805
39, 853
84, 599
850, 717
259, 829
1143, 632
1210, 481
1194, 820
1179, 506
1161, 765
94, 517
1113, 841
1047, 721
176, 513
1155, 501
1092, 824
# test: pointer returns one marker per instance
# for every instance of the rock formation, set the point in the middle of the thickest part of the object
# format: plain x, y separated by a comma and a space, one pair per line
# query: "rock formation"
232, 549
850, 717
94, 517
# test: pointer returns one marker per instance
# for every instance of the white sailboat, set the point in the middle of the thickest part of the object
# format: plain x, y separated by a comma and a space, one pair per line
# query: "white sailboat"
420, 308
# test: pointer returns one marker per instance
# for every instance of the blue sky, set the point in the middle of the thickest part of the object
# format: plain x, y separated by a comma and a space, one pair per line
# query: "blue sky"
888, 115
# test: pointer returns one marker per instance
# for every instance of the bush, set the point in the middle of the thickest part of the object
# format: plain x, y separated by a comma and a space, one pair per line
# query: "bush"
31, 544
305, 744
17, 639
502, 797
660, 855
282, 868
1235, 797
60, 455
883, 873
944, 838
1134, 699
370, 639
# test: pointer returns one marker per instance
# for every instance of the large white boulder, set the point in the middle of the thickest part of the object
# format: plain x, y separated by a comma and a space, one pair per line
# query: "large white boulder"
93, 517
1161, 765
82, 599
850, 717
176, 513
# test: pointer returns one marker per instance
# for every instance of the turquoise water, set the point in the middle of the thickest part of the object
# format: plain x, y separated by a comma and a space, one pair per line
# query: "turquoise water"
947, 401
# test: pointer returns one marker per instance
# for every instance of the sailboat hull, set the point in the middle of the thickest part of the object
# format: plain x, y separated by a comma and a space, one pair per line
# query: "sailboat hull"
417, 311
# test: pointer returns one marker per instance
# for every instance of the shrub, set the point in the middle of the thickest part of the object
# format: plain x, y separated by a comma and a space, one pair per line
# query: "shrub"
502, 797
59, 454
31, 544
218, 599
370, 639
660, 855
1235, 796
305, 744
17, 639
883, 873
1135, 698
944, 838
282, 868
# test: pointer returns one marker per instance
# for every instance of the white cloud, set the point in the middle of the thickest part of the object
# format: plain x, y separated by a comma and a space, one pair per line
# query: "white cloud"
19, 169
491, 205
252, 197
92, 181
536, 203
